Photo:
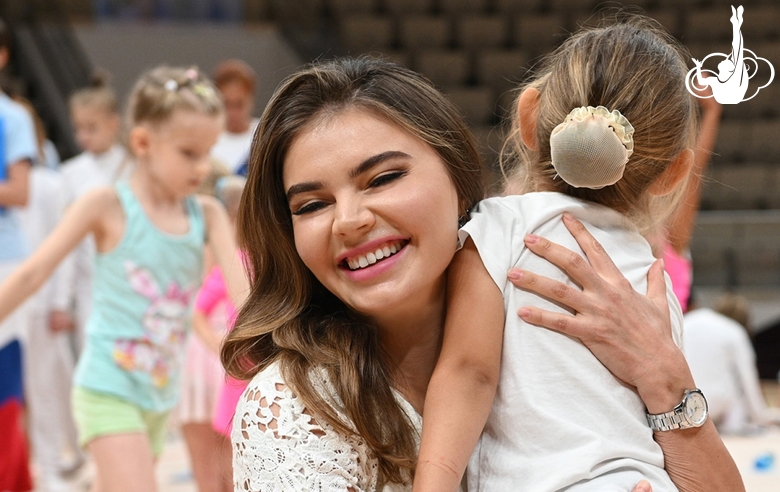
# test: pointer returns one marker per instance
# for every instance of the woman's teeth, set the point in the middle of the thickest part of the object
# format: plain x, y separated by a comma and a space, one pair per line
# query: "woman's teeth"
357, 262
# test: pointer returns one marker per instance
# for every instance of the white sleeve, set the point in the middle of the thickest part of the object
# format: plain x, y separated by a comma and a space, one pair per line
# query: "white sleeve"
494, 228
278, 446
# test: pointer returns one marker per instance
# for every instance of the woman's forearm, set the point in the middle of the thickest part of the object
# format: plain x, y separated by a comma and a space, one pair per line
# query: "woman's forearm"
698, 461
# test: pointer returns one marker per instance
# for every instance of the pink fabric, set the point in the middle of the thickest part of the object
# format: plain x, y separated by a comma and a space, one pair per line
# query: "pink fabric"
680, 270
212, 294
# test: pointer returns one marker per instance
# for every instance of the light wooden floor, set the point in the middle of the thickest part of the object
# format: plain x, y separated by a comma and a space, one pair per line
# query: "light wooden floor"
174, 474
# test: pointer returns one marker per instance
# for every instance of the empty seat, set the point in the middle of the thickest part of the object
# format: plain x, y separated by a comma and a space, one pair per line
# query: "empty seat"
502, 70
669, 19
506, 104
475, 32
424, 32
733, 142
761, 22
744, 186
408, 6
568, 6
712, 267
710, 189
476, 103
712, 250
700, 50
400, 57
773, 200
518, 6
538, 34
764, 142
352, 6
765, 104
708, 24
361, 32
459, 7
769, 51
713, 235
444, 68
758, 264
490, 139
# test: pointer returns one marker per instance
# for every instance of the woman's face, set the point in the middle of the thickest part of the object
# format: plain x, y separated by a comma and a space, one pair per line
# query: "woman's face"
374, 212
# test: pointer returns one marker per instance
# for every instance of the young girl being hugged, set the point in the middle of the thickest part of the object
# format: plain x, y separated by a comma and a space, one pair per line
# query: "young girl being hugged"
94, 113
603, 130
150, 234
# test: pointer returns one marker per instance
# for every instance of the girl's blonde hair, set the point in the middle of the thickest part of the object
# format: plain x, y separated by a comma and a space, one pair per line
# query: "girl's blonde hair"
634, 66
99, 94
290, 317
163, 90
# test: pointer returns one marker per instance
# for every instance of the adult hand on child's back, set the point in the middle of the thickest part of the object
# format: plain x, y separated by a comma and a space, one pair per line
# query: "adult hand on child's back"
628, 332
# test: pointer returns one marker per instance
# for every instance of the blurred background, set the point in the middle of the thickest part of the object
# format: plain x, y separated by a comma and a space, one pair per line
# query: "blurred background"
476, 51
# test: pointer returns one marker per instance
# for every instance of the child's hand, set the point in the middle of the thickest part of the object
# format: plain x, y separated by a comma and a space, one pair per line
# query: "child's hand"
60, 321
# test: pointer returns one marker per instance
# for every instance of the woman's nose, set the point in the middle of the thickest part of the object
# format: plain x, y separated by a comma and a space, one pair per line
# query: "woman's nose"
352, 217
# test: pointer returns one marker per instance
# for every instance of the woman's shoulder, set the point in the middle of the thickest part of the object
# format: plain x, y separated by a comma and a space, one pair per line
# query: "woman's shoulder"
278, 442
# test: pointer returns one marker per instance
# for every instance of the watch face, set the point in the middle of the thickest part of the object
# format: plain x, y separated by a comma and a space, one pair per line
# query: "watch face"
696, 408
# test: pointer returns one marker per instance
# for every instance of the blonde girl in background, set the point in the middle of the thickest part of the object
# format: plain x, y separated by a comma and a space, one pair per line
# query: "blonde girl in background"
48, 368
150, 233
603, 131
94, 113
204, 377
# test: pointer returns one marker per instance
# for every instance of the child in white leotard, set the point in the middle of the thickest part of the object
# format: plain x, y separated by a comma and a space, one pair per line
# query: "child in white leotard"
604, 128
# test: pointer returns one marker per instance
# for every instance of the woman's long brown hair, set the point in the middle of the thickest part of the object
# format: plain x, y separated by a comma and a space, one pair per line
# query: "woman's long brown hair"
289, 316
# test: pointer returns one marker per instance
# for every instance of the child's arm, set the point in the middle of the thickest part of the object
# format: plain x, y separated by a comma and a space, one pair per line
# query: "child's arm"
80, 219
464, 382
220, 238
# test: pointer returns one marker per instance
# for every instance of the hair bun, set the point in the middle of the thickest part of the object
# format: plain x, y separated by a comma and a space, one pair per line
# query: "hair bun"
591, 147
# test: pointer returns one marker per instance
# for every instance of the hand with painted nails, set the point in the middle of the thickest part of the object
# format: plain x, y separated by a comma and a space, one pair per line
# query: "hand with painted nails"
630, 334
605, 307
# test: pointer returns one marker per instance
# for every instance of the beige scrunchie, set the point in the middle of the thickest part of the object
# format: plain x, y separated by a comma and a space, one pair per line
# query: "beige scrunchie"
591, 147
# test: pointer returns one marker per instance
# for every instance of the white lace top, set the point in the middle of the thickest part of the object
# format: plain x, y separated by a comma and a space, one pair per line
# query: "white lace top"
278, 446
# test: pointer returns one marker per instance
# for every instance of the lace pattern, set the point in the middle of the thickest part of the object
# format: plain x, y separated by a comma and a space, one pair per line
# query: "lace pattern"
279, 446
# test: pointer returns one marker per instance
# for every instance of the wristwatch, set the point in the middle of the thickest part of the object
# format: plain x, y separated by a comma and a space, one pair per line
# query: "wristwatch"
691, 412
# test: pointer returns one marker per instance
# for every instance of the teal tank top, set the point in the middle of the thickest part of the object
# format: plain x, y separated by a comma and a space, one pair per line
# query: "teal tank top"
143, 291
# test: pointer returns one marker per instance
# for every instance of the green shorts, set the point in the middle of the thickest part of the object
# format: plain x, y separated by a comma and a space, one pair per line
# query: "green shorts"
100, 414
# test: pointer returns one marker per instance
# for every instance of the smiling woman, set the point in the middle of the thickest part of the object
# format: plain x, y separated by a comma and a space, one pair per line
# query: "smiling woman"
353, 157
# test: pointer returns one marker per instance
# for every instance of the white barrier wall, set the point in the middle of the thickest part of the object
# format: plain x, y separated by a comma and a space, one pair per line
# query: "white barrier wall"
128, 49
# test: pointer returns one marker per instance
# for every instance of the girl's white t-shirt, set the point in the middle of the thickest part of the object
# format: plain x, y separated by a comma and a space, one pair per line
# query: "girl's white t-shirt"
560, 420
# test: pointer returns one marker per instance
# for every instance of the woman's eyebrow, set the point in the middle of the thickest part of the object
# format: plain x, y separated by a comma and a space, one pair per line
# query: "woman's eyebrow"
303, 188
361, 168
372, 161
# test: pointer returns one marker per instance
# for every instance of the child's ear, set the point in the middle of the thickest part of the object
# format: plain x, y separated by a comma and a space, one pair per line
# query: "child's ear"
528, 115
671, 177
139, 141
